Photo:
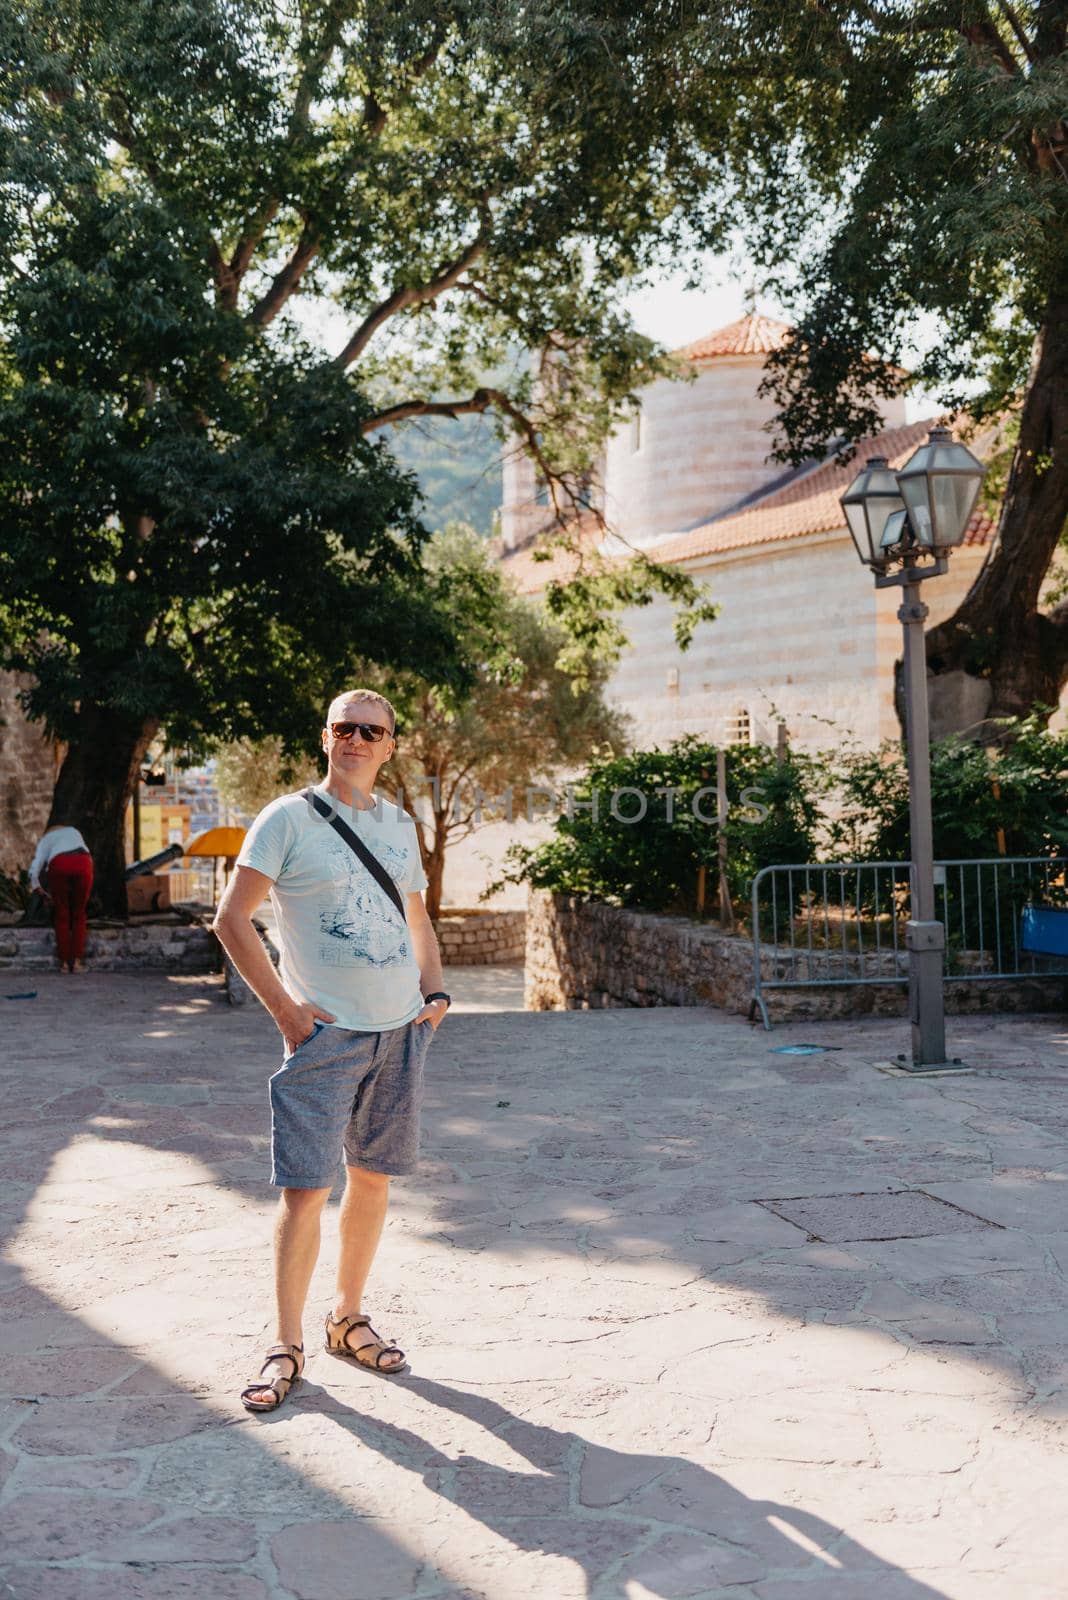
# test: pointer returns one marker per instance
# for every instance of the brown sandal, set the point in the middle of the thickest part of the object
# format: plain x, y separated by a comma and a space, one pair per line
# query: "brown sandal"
277, 1352
339, 1343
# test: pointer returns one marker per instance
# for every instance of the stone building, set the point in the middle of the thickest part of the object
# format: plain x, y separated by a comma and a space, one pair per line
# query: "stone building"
802, 634
28, 765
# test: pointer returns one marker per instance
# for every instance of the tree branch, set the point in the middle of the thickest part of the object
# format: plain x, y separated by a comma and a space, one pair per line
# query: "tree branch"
481, 400
254, 229
375, 114
412, 295
286, 281
1009, 13
567, 500
984, 33
556, 482
308, 81
246, 248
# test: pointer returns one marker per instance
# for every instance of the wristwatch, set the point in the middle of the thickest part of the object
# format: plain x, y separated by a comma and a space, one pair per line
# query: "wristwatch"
440, 995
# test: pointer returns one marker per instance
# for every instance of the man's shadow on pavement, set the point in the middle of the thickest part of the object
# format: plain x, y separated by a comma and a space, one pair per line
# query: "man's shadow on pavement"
661, 1521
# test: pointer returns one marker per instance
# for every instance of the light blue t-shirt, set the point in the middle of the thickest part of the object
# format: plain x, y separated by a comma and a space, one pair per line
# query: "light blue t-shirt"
344, 944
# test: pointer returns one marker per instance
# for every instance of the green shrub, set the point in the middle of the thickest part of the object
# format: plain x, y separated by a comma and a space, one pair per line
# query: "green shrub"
842, 805
654, 862
1020, 788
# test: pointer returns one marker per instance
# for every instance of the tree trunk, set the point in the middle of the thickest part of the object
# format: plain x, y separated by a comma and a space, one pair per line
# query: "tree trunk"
998, 636
434, 866
93, 789
431, 846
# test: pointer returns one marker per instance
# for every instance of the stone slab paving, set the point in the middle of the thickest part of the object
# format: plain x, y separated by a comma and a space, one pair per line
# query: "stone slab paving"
632, 1376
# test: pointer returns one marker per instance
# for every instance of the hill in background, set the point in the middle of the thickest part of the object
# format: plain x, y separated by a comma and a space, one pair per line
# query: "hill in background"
458, 465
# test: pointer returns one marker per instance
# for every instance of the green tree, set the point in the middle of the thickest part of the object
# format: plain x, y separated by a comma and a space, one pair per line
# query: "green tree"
250, 773
907, 160
197, 508
464, 757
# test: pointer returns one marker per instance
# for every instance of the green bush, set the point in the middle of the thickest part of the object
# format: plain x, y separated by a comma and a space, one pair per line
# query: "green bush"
1020, 788
655, 861
985, 804
840, 806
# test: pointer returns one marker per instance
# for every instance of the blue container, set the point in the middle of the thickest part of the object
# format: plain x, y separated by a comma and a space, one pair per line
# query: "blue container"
1044, 930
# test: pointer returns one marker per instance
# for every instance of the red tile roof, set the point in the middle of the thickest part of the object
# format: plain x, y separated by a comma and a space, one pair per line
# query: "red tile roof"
809, 503
531, 576
749, 336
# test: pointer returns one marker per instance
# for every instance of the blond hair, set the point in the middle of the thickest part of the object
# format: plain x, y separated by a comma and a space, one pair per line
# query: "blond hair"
365, 694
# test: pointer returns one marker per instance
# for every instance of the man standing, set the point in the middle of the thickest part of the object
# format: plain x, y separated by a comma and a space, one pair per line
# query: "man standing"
357, 999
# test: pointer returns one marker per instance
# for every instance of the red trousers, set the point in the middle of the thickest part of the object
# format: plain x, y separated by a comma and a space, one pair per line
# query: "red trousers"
70, 881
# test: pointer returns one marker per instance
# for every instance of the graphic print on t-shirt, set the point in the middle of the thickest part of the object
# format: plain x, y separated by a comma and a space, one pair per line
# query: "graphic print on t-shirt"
362, 925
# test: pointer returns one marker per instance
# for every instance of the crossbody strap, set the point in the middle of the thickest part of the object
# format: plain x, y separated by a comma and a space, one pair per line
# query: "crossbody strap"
358, 848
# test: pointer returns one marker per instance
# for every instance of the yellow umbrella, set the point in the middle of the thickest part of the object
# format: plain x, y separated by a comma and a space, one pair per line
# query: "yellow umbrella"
217, 842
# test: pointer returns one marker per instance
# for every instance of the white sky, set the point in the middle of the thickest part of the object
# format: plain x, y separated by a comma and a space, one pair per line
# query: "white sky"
669, 311
675, 315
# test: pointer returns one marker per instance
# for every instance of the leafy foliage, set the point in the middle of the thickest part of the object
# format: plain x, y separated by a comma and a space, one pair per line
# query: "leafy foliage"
984, 802
198, 506
654, 860
15, 891
889, 162
251, 773
464, 755
840, 806
900, 173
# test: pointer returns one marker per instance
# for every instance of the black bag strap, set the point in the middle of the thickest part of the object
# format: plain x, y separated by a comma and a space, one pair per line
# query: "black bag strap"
358, 848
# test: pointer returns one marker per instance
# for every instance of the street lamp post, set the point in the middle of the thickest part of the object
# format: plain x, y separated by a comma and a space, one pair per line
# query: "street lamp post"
903, 525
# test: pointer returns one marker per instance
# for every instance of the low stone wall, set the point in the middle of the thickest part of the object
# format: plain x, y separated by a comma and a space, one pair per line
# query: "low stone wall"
582, 954
480, 938
169, 947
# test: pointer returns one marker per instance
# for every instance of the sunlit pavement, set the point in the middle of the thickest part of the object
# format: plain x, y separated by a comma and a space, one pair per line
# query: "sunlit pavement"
630, 1378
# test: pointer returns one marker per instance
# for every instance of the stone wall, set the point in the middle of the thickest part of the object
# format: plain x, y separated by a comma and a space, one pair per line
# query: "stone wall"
802, 636
168, 947
480, 938
584, 954
28, 764
471, 938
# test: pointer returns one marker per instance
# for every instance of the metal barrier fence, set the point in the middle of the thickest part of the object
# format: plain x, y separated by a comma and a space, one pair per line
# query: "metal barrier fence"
193, 885
835, 924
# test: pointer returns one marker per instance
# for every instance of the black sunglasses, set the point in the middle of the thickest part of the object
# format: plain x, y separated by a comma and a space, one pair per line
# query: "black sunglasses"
367, 730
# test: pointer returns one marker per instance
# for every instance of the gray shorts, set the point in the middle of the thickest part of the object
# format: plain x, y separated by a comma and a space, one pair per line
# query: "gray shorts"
360, 1093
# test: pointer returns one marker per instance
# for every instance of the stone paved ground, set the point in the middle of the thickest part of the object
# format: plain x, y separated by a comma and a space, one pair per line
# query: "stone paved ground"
630, 1378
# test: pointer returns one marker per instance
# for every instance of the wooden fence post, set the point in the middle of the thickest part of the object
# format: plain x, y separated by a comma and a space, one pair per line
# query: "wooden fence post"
726, 910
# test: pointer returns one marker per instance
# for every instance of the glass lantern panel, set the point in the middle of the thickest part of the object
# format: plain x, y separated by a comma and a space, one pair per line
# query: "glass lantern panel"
880, 508
858, 527
949, 456
953, 497
894, 531
914, 490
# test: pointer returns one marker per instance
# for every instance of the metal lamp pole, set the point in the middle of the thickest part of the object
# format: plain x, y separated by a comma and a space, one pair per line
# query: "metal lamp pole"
895, 518
925, 936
